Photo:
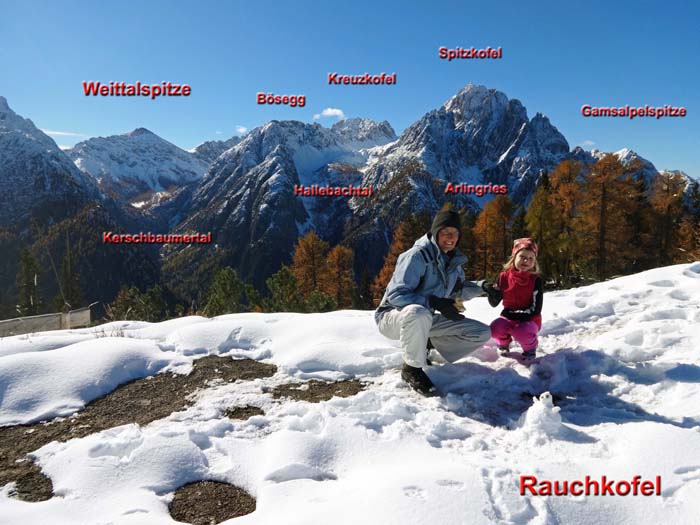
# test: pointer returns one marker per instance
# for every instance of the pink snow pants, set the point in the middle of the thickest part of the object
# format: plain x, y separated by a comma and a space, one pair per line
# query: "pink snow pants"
504, 331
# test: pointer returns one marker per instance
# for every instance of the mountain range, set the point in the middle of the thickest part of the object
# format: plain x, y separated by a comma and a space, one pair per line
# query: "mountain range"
243, 189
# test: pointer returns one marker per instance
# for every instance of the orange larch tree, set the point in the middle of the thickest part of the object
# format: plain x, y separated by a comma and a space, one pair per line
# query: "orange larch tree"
309, 262
337, 280
604, 219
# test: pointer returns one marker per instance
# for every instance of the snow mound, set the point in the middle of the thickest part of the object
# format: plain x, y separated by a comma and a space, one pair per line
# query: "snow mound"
78, 373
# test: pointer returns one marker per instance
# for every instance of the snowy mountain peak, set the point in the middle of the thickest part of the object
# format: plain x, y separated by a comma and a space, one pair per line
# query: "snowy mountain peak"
313, 145
35, 174
478, 136
471, 92
478, 102
626, 154
12, 122
540, 118
365, 131
141, 132
137, 162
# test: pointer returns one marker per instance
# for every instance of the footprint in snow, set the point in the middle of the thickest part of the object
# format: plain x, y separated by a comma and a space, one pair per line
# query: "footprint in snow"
412, 491
665, 283
299, 471
451, 483
679, 295
693, 472
672, 313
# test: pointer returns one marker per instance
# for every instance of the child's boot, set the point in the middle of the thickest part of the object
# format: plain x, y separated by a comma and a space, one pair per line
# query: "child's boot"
529, 354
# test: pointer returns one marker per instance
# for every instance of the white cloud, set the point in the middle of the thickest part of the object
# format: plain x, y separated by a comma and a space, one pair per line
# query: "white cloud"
241, 129
587, 144
219, 132
330, 112
63, 133
64, 147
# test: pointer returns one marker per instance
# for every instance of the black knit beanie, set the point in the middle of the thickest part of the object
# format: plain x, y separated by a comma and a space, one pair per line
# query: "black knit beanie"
444, 219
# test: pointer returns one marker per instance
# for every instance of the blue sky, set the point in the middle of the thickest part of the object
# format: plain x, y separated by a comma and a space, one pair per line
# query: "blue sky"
557, 56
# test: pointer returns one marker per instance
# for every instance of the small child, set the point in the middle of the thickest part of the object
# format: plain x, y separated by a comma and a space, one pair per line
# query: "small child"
520, 288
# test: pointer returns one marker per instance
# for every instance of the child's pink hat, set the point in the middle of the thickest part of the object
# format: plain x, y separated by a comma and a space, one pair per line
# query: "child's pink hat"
526, 243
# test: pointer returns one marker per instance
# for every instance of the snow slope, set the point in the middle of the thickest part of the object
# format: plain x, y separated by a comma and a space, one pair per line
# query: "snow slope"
621, 358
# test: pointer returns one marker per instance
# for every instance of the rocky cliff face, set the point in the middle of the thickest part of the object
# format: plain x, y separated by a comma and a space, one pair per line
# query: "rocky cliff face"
37, 179
247, 197
478, 136
208, 151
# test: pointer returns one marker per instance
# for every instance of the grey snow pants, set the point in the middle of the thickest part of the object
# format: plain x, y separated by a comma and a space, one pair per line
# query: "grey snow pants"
413, 324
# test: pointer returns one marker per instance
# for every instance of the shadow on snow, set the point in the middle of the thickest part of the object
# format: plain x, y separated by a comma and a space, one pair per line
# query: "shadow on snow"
500, 396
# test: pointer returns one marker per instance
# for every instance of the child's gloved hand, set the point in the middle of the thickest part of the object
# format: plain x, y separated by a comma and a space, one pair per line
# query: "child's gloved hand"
446, 307
494, 294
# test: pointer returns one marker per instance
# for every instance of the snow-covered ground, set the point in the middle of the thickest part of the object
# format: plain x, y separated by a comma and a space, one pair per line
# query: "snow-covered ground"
621, 358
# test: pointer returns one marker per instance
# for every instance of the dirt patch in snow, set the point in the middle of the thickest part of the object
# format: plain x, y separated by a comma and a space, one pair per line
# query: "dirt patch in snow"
315, 391
208, 502
243, 412
141, 401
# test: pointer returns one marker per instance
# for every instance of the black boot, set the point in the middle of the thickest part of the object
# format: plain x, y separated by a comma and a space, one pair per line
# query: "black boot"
418, 380
529, 354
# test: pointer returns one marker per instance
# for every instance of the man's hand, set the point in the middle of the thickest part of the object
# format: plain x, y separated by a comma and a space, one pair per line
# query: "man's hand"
446, 307
495, 295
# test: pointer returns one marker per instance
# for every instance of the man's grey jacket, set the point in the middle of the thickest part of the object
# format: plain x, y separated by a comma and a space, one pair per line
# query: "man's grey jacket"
422, 271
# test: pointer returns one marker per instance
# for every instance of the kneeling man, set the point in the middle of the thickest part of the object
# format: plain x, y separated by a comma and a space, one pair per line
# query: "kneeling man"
429, 277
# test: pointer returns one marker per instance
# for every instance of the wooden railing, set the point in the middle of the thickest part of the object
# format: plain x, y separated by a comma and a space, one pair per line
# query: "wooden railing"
79, 318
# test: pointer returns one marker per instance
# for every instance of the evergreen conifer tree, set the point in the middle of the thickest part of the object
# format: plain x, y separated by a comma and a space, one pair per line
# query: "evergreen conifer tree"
362, 300
30, 302
284, 292
227, 294
318, 301
70, 295
126, 304
132, 304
